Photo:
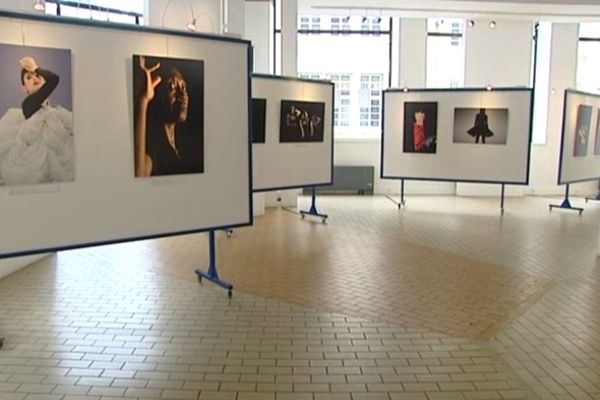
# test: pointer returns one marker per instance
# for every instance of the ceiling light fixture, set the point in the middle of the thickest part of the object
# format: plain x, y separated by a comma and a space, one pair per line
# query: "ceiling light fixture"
492, 24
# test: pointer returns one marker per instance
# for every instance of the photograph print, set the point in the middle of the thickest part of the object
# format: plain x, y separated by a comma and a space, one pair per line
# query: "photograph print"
259, 114
168, 104
420, 127
301, 121
481, 125
36, 120
582, 130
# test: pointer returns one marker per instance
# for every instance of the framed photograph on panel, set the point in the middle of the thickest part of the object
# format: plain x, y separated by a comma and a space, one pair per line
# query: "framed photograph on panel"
301, 121
420, 127
259, 115
582, 130
481, 125
36, 121
169, 115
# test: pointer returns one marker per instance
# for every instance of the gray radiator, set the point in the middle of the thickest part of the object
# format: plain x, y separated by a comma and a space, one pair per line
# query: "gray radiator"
350, 180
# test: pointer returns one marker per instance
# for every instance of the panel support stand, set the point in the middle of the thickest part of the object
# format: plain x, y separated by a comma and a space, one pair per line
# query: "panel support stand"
594, 198
566, 204
502, 200
313, 208
402, 201
212, 273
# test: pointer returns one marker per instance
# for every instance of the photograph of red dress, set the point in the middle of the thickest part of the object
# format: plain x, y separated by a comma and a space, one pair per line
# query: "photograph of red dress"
420, 127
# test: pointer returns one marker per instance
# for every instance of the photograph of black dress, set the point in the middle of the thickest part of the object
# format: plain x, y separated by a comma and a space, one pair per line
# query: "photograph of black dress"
481, 125
420, 127
36, 121
597, 143
259, 116
301, 121
168, 116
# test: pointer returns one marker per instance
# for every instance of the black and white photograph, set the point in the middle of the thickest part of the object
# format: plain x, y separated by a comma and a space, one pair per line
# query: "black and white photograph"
481, 125
168, 97
582, 130
259, 118
420, 127
36, 119
301, 121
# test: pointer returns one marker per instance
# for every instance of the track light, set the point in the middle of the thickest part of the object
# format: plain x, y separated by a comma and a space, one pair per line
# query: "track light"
492, 24
377, 20
346, 19
364, 19
40, 5
192, 25
488, 87
471, 23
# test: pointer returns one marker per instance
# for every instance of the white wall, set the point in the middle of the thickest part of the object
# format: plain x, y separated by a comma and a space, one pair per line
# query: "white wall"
289, 10
258, 29
175, 14
498, 57
10, 265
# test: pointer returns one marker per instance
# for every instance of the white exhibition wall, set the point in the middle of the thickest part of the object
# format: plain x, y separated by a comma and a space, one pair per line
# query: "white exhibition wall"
105, 202
580, 142
504, 158
277, 165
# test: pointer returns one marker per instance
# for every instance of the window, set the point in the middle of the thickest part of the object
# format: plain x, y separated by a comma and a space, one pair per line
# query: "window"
354, 55
370, 99
588, 57
542, 81
445, 53
130, 12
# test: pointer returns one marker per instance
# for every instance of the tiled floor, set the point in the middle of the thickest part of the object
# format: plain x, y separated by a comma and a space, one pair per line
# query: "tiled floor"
445, 299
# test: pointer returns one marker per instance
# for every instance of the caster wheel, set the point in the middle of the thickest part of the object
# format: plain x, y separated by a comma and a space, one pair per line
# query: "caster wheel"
580, 211
324, 220
302, 216
199, 279
229, 293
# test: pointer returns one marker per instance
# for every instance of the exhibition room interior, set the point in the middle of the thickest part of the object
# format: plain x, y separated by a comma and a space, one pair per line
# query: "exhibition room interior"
299, 199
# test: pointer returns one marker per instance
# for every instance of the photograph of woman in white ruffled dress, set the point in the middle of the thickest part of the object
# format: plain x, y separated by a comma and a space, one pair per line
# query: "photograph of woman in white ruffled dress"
36, 123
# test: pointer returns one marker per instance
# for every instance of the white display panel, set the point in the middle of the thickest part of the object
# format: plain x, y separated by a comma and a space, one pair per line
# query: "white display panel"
580, 142
282, 165
503, 158
105, 202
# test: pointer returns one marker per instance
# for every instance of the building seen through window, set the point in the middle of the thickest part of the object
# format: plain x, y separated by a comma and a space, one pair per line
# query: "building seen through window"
128, 12
354, 53
588, 57
445, 53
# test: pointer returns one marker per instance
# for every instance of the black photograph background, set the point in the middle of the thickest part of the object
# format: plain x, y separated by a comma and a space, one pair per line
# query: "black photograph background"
481, 125
420, 127
190, 133
582, 130
301, 121
259, 117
